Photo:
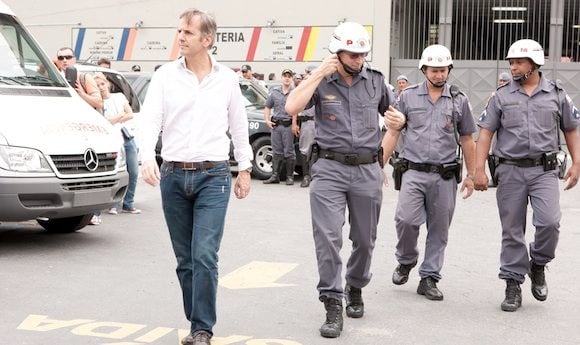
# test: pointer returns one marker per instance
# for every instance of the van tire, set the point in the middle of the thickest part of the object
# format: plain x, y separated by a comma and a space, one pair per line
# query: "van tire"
262, 163
65, 225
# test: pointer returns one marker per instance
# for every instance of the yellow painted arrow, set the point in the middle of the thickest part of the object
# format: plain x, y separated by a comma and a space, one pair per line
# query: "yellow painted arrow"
257, 274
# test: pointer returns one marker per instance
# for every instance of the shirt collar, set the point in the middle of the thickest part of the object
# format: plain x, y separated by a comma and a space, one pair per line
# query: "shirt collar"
215, 67
424, 90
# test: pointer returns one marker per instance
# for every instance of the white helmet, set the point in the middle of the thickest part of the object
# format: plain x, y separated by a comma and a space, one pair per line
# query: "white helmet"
436, 55
351, 37
526, 48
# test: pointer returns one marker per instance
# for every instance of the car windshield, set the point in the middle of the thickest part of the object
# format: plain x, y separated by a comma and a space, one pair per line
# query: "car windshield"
22, 62
252, 95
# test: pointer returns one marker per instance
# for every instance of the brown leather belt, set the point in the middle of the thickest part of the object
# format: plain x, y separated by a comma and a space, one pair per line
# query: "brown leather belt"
195, 165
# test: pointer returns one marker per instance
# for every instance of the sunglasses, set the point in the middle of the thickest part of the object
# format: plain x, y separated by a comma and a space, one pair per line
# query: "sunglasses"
62, 57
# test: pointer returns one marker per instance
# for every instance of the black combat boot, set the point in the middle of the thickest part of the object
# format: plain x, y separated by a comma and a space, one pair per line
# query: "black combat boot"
290, 164
538, 278
513, 296
332, 327
355, 306
401, 273
306, 171
276, 162
428, 288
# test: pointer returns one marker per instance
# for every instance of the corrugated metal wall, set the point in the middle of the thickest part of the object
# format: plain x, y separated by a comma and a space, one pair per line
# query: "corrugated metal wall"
479, 33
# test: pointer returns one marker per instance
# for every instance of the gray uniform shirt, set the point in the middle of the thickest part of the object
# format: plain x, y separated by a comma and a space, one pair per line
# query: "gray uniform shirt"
527, 126
277, 101
347, 116
430, 136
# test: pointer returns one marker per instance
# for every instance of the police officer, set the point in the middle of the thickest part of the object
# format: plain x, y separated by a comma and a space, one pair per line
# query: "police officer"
402, 84
522, 112
282, 137
303, 127
347, 97
436, 117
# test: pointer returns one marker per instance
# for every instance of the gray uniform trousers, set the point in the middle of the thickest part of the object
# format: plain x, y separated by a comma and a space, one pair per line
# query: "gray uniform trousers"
334, 187
517, 186
283, 142
424, 197
306, 137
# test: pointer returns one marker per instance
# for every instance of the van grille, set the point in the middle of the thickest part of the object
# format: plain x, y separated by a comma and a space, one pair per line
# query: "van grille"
75, 164
75, 186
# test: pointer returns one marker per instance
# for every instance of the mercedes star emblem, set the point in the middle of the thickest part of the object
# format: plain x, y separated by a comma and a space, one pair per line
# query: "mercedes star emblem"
91, 160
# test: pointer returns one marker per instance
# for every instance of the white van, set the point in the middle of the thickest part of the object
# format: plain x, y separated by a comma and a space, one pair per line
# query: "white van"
60, 160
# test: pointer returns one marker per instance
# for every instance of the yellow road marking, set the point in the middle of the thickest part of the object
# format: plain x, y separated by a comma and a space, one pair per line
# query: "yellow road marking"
257, 274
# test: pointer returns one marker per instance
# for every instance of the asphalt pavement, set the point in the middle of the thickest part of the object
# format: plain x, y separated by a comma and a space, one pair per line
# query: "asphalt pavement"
115, 283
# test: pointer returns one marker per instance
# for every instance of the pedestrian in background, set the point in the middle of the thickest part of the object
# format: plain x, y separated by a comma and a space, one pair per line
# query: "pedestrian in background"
347, 96
303, 127
198, 101
117, 110
438, 120
527, 114
280, 122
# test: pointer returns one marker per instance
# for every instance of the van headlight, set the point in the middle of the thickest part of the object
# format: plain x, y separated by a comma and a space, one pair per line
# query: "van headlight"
122, 159
23, 159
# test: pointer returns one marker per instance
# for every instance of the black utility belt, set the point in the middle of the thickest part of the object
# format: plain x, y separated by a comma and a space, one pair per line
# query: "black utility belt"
349, 158
446, 170
283, 122
548, 160
305, 118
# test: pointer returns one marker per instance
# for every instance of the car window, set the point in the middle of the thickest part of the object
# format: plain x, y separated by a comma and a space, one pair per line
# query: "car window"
120, 84
252, 96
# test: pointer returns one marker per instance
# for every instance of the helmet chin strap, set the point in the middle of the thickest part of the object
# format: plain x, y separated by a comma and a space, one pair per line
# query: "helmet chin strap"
349, 70
437, 85
521, 78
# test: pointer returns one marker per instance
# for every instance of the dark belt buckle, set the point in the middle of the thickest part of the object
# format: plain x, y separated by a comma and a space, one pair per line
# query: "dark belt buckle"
351, 159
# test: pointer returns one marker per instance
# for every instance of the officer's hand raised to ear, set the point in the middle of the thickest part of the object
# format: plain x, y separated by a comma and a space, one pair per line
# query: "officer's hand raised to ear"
329, 64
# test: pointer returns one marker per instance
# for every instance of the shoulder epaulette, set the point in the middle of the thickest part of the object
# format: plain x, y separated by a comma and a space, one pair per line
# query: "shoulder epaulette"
558, 84
506, 83
374, 70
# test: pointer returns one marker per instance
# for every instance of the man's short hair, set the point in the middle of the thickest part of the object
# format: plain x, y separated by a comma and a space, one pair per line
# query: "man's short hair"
246, 68
104, 60
402, 77
505, 76
66, 48
207, 25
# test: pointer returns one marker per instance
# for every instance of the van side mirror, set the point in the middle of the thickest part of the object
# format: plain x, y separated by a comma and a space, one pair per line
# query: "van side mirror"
70, 74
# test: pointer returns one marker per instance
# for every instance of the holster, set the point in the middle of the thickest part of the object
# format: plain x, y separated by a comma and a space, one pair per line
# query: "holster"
550, 160
313, 156
400, 165
380, 157
492, 163
450, 170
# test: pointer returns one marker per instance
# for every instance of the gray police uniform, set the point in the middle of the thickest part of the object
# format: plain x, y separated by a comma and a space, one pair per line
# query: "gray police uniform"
527, 127
306, 131
426, 196
282, 137
346, 123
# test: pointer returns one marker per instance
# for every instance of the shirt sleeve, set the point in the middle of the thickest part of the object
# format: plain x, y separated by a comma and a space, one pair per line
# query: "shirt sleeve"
489, 119
570, 117
467, 124
388, 98
151, 117
238, 126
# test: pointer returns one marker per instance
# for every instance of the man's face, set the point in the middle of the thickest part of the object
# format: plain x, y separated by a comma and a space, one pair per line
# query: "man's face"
297, 79
437, 75
402, 84
190, 39
65, 58
353, 60
501, 82
520, 66
287, 79
247, 73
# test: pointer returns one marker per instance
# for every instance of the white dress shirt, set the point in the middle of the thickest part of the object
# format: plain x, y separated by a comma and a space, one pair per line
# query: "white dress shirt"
195, 117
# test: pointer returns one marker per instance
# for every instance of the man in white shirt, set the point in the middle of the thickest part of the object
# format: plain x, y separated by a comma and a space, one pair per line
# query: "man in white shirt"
196, 101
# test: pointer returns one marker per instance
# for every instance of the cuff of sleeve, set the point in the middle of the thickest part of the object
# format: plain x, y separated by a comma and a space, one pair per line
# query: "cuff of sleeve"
244, 165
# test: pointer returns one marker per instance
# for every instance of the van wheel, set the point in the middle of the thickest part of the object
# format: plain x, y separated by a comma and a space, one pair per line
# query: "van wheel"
65, 225
262, 164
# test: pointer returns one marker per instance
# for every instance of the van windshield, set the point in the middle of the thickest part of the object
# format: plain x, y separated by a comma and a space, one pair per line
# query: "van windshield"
21, 60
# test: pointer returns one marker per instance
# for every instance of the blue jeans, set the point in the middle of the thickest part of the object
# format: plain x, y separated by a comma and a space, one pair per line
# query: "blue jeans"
131, 155
195, 205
